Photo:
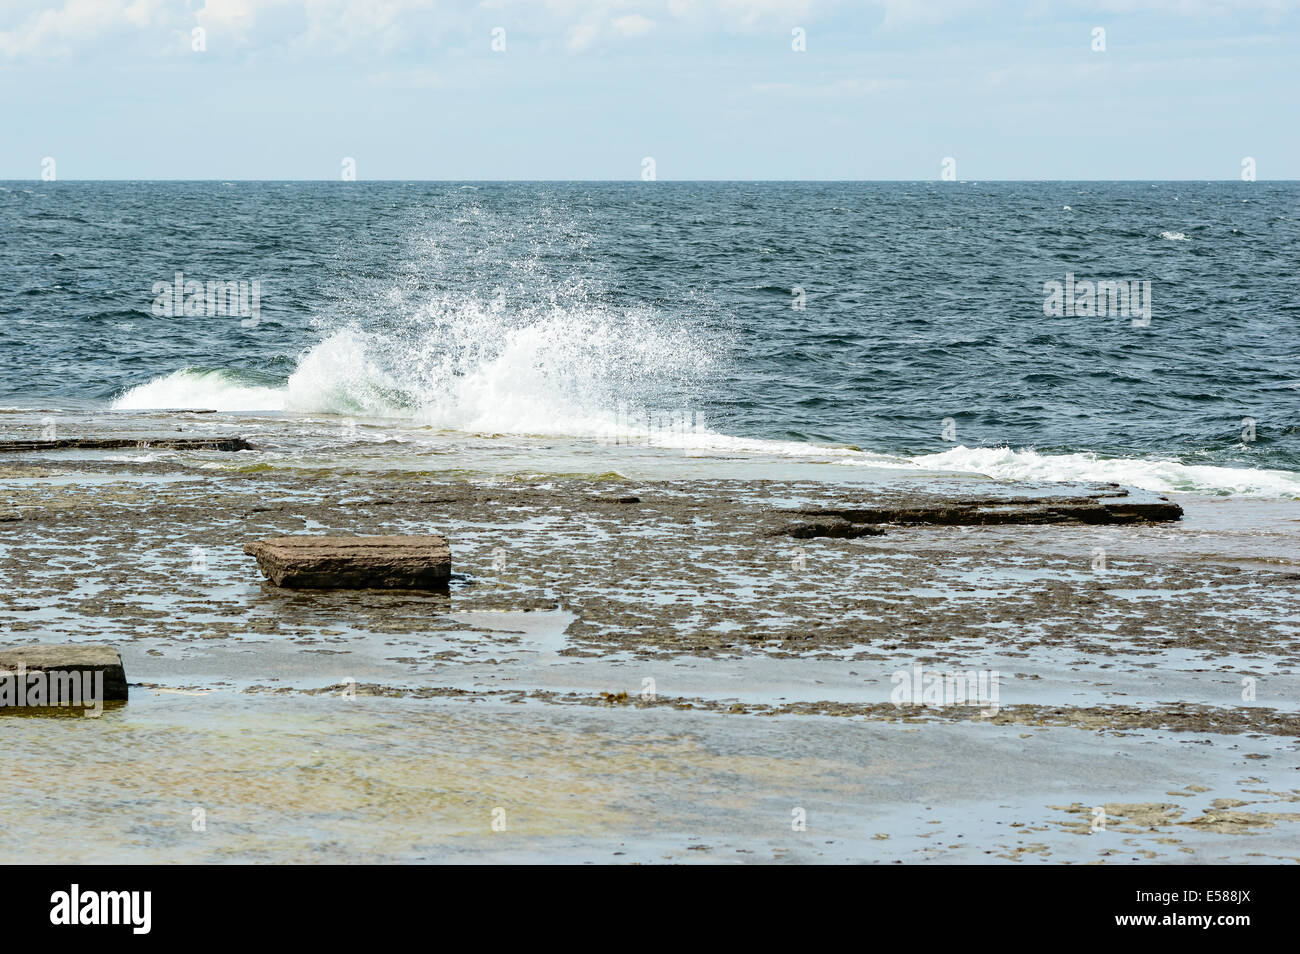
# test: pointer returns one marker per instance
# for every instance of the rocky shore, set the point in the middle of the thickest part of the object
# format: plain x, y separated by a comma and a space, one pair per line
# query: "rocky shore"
730, 617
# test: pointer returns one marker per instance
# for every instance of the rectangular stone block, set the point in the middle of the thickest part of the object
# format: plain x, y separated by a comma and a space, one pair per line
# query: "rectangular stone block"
57, 663
355, 563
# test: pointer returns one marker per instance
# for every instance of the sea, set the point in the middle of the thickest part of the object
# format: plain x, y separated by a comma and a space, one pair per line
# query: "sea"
1143, 333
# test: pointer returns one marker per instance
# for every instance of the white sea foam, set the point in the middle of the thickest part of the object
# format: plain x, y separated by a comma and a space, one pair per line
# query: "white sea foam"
472, 366
589, 373
1174, 236
340, 376
1164, 476
213, 389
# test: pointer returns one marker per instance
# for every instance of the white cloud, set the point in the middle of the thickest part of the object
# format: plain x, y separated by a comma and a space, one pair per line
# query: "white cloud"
59, 29
226, 15
632, 25
747, 15
36, 28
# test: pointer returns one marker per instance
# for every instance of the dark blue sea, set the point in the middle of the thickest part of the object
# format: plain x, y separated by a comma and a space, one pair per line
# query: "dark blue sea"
890, 323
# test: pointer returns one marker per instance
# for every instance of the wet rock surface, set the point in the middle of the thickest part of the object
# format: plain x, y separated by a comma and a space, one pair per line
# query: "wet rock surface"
123, 443
1126, 651
858, 519
113, 443
676, 573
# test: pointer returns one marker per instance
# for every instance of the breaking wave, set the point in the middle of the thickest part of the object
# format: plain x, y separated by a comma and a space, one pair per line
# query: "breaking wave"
592, 371
1164, 476
472, 366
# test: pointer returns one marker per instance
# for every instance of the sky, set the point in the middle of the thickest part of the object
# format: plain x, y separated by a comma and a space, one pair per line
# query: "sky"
591, 89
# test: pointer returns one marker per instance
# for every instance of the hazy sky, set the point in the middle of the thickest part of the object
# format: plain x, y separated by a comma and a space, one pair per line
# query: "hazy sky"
586, 89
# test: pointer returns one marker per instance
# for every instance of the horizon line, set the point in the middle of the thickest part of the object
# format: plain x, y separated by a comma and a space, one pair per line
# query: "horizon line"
631, 180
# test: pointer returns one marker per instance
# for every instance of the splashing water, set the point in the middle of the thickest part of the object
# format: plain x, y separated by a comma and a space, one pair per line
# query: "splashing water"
464, 364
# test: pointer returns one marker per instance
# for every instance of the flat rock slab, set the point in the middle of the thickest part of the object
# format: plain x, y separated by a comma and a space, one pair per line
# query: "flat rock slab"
84, 658
830, 526
355, 563
120, 443
859, 520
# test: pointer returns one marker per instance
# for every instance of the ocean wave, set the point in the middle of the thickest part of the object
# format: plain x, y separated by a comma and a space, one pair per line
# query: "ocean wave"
586, 371
1164, 476
214, 389
470, 365
1174, 236
491, 409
